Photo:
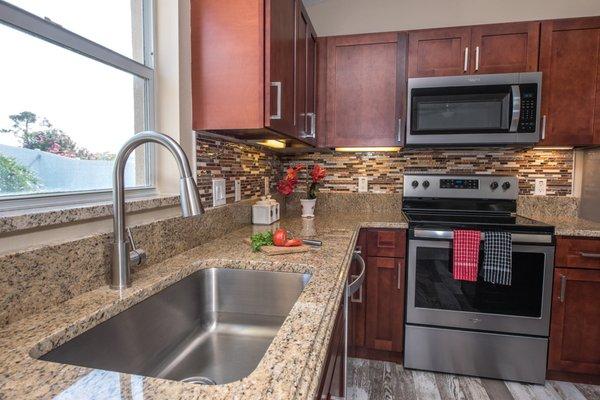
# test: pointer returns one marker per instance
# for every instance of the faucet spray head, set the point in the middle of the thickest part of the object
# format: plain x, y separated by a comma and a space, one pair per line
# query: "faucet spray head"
189, 198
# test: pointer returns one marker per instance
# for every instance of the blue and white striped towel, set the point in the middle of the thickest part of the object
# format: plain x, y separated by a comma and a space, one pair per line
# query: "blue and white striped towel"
497, 259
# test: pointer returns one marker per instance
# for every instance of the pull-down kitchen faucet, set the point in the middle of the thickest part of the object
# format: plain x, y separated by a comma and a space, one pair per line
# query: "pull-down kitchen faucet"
189, 199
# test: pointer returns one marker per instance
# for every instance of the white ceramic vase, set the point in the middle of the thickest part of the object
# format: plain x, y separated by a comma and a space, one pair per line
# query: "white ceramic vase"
308, 207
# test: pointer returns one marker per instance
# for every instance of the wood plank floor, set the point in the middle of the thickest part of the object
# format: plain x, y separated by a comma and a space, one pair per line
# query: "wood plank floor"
378, 380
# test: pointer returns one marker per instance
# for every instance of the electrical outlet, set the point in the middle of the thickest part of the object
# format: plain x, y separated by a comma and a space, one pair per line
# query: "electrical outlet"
218, 186
540, 187
267, 186
363, 184
238, 190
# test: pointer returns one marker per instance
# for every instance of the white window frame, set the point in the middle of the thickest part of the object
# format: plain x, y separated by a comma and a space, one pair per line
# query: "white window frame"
54, 33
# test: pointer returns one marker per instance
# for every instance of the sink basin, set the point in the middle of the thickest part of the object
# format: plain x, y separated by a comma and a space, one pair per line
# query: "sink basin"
212, 327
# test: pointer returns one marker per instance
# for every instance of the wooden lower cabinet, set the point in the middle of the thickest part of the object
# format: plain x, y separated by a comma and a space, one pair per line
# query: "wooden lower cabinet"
575, 326
385, 304
574, 351
333, 378
376, 318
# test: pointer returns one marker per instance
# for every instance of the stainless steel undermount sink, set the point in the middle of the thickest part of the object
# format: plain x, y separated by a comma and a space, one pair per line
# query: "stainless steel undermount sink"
212, 327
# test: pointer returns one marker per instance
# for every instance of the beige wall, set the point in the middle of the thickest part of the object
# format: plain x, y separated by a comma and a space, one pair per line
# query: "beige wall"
341, 17
173, 87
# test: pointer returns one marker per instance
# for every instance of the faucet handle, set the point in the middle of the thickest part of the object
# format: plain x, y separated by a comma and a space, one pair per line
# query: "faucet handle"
136, 256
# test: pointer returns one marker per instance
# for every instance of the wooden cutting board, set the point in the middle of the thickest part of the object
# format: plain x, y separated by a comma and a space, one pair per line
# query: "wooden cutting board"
277, 250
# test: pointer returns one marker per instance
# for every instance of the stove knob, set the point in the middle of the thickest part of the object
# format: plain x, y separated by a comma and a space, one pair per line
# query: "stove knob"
494, 185
415, 184
425, 184
506, 185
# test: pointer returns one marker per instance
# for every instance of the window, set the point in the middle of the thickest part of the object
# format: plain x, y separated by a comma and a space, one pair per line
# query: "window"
76, 81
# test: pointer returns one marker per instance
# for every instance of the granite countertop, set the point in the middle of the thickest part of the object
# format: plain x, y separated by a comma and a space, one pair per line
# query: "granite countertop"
573, 226
290, 369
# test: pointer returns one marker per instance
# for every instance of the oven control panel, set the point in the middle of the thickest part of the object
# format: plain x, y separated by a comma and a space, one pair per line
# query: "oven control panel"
459, 183
458, 187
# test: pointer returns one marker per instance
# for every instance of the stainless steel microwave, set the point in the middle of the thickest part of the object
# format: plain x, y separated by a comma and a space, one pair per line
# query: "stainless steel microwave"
495, 109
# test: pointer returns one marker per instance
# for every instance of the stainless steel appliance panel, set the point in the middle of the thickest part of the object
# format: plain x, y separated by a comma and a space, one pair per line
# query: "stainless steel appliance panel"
491, 355
458, 317
509, 113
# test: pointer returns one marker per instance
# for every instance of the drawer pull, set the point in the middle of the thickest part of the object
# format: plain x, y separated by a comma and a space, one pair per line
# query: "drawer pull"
589, 255
563, 287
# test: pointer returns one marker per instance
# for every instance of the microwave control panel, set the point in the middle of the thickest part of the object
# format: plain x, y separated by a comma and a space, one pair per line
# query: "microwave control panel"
528, 118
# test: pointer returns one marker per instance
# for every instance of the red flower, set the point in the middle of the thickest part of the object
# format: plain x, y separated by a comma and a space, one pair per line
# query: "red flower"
318, 173
292, 175
285, 187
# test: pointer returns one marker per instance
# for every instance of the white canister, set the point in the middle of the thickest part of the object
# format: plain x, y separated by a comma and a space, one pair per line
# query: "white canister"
265, 211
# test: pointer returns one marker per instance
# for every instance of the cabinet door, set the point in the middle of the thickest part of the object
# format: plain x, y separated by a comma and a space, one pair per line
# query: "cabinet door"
570, 62
306, 64
504, 48
385, 304
362, 90
575, 324
281, 52
332, 376
311, 83
438, 52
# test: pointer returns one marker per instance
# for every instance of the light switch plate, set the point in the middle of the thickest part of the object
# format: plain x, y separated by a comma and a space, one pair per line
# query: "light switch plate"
363, 184
540, 187
238, 190
218, 186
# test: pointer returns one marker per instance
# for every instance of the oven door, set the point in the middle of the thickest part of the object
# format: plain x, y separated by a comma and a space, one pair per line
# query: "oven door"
435, 298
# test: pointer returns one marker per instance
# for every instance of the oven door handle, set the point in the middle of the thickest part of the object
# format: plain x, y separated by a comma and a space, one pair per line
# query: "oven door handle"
449, 235
516, 107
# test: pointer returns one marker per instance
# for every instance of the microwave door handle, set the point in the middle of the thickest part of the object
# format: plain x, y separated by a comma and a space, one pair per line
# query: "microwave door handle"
516, 107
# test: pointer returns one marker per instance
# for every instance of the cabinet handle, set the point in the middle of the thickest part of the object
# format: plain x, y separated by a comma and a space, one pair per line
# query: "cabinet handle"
563, 287
477, 58
399, 277
311, 134
400, 130
277, 85
589, 255
466, 58
543, 127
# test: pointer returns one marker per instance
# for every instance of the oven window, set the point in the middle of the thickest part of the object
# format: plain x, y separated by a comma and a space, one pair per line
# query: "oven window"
455, 110
436, 289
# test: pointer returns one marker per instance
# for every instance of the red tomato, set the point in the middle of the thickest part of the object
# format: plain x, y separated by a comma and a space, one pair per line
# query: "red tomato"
280, 237
293, 243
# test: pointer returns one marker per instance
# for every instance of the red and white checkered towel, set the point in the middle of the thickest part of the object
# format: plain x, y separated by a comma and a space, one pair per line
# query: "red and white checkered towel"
466, 255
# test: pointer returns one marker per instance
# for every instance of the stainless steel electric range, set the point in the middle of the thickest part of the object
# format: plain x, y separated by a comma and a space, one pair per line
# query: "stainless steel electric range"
475, 328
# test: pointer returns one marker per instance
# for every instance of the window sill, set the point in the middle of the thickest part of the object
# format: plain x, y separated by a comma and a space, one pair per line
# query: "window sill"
21, 220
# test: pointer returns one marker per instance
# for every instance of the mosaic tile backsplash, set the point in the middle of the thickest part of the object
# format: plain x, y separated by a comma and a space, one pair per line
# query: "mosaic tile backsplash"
216, 158
385, 170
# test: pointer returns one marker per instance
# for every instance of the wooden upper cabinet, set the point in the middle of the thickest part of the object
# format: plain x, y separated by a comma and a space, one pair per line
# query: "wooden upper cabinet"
281, 53
363, 89
575, 327
484, 49
570, 63
504, 48
227, 64
438, 52
306, 77
250, 67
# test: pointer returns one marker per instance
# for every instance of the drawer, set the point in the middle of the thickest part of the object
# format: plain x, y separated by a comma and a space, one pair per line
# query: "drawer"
577, 253
386, 242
